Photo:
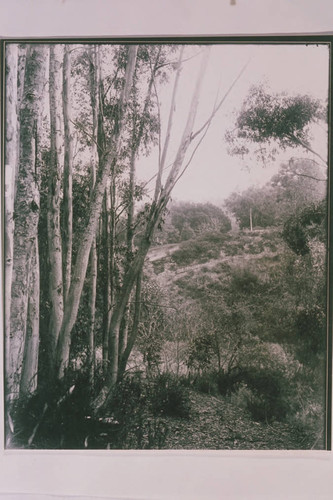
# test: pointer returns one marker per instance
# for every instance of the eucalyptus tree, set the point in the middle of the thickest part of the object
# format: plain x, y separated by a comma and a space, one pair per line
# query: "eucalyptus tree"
10, 171
82, 257
27, 214
53, 202
153, 216
67, 204
275, 120
94, 75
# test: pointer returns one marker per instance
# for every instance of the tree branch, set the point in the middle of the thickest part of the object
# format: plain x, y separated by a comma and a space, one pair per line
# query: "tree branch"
222, 100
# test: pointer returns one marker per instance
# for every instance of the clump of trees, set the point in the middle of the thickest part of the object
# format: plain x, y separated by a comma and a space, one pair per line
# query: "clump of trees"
86, 321
186, 220
78, 120
298, 185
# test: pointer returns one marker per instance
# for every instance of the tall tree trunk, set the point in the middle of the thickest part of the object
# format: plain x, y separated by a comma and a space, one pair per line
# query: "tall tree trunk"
80, 268
137, 135
106, 278
159, 204
67, 221
123, 333
10, 176
135, 328
53, 206
26, 210
30, 358
22, 56
94, 94
109, 264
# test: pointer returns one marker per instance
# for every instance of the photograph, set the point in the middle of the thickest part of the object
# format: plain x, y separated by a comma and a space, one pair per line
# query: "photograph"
165, 243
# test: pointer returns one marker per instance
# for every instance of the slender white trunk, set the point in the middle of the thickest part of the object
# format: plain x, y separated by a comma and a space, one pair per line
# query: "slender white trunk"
53, 206
94, 95
81, 264
27, 212
161, 199
10, 176
67, 226
30, 358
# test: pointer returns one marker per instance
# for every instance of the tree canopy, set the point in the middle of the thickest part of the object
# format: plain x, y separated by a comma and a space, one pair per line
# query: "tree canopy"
275, 120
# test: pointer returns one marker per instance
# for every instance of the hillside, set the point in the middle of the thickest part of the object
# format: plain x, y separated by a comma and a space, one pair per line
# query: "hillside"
219, 362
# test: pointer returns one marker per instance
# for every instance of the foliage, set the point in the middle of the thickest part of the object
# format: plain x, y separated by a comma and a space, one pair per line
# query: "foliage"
267, 118
201, 351
308, 224
206, 382
186, 220
207, 246
297, 186
269, 394
234, 316
258, 203
130, 425
169, 397
310, 326
153, 324
55, 416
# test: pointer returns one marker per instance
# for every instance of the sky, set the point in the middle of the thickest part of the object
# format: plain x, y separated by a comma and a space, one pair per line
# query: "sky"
214, 174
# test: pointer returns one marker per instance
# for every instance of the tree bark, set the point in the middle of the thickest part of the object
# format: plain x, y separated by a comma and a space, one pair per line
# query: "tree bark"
137, 135
94, 95
22, 56
53, 207
67, 221
26, 210
10, 176
80, 268
135, 328
30, 358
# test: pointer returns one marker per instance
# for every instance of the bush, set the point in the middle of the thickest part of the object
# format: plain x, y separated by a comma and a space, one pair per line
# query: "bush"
194, 250
206, 383
228, 382
244, 281
55, 416
169, 397
294, 234
311, 329
269, 396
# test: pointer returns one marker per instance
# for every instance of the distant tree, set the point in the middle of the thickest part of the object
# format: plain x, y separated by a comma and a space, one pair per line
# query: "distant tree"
298, 184
254, 207
275, 120
186, 220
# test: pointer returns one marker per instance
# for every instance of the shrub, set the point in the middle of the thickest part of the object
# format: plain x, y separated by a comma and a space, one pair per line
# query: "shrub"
294, 234
206, 383
55, 416
228, 382
311, 329
169, 397
244, 281
269, 396
129, 397
194, 250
